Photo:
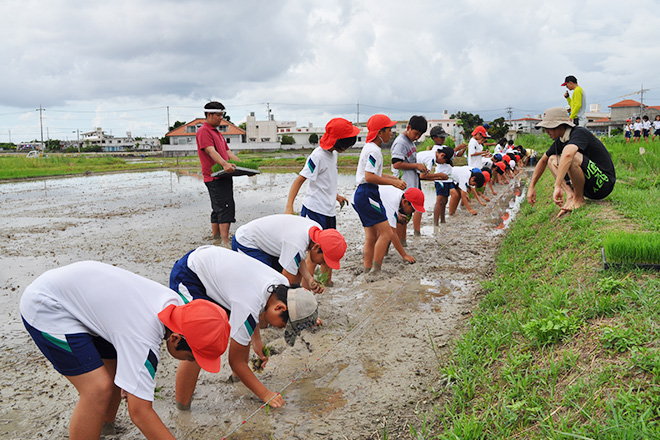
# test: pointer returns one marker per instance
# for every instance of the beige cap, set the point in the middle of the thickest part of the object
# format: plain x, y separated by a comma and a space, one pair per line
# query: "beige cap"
554, 117
303, 313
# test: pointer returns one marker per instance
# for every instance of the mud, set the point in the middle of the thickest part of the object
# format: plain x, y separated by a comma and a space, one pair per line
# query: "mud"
367, 370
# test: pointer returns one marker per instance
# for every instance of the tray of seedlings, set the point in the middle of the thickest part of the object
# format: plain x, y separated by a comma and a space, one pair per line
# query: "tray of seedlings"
639, 250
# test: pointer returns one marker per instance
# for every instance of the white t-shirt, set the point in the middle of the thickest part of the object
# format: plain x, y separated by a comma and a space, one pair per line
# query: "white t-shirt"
646, 125
444, 168
474, 147
391, 198
237, 282
656, 125
461, 176
637, 126
427, 157
371, 160
321, 171
103, 300
280, 235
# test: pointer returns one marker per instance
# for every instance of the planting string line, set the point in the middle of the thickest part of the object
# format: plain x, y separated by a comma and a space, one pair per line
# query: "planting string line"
326, 353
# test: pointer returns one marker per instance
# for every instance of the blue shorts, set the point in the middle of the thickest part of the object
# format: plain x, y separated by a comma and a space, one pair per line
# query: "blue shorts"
646, 132
257, 254
628, 134
72, 354
182, 274
443, 188
368, 205
657, 132
323, 220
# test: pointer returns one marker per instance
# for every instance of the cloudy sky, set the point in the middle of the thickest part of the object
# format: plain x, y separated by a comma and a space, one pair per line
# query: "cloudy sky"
125, 65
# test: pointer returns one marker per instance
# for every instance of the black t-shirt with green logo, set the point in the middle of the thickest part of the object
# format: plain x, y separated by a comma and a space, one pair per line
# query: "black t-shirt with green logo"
590, 146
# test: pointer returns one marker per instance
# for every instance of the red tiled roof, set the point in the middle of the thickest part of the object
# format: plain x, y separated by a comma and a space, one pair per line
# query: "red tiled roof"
602, 120
526, 119
626, 103
656, 107
181, 131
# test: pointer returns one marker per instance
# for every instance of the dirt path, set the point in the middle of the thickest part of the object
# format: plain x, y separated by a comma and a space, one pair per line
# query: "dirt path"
370, 365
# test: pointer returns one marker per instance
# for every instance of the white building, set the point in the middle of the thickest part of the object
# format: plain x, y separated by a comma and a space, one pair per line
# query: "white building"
260, 131
110, 143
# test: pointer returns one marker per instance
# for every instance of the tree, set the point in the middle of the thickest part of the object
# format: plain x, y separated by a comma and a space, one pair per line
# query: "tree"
242, 125
313, 138
287, 140
176, 125
498, 128
470, 121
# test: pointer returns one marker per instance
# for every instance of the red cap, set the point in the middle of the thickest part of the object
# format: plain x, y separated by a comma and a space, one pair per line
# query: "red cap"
204, 325
416, 198
486, 176
332, 244
500, 165
481, 130
517, 157
337, 128
377, 123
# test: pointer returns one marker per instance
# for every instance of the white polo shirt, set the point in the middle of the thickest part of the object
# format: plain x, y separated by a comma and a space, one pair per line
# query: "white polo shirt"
371, 160
321, 171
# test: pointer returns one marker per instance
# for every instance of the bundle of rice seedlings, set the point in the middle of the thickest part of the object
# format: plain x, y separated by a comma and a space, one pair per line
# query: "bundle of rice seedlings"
636, 248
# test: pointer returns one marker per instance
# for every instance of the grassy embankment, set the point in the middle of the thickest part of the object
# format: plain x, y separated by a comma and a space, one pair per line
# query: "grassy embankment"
558, 348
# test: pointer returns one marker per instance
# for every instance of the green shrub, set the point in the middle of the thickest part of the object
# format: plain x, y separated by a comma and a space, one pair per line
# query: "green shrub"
552, 328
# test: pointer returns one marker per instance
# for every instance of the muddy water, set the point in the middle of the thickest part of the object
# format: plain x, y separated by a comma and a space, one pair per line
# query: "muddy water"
368, 367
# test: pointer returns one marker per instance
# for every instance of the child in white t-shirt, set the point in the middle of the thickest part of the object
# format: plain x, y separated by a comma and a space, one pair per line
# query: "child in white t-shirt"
628, 130
366, 199
102, 328
465, 180
321, 171
637, 129
253, 295
399, 207
656, 127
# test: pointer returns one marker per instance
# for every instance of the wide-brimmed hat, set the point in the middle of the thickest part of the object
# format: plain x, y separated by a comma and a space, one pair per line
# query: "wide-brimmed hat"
337, 128
377, 123
303, 313
205, 327
554, 117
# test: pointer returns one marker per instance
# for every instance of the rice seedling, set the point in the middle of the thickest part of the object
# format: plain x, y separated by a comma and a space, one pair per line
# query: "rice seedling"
623, 247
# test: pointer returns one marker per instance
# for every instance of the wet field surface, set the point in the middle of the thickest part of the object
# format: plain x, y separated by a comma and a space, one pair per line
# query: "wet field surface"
368, 368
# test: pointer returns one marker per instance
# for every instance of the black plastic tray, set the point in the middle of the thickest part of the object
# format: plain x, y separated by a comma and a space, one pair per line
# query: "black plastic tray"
240, 171
646, 266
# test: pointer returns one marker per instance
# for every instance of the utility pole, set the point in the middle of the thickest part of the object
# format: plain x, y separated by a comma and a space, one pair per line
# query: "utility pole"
358, 112
41, 124
641, 104
168, 120
268, 111
509, 110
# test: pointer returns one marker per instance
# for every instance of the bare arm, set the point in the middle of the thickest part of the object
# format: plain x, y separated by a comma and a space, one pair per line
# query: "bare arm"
538, 172
384, 180
401, 165
293, 192
145, 418
396, 242
238, 360
213, 154
433, 176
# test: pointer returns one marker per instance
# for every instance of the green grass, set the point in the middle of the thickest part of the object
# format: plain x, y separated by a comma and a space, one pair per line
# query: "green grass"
558, 348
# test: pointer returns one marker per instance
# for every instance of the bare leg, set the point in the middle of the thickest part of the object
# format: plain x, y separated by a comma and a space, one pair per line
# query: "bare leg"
417, 223
95, 389
454, 201
384, 236
370, 237
224, 233
115, 400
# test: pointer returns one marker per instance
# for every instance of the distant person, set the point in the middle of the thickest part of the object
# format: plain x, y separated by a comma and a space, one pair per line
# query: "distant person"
646, 128
366, 200
581, 164
212, 148
476, 151
441, 158
102, 327
656, 127
628, 130
578, 101
458, 134
637, 129
321, 171
253, 295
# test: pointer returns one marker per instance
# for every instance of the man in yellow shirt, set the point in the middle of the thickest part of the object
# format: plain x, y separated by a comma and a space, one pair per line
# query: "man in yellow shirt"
578, 101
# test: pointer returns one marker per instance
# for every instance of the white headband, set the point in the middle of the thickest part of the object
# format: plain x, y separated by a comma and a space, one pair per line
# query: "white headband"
212, 110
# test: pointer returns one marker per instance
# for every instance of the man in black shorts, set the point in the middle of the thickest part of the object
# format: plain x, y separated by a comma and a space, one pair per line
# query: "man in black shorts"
581, 164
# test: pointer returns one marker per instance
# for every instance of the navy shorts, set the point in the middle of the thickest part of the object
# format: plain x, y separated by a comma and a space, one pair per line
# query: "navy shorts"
182, 275
646, 132
628, 135
637, 134
443, 188
221, 192
323, 220
598, 184
72, 354
657, 132
257, 254
368, 205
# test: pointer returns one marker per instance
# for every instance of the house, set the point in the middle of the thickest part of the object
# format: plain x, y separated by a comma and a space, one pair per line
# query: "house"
111, 144
183, 140
619, 112
525, 125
